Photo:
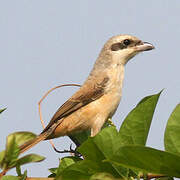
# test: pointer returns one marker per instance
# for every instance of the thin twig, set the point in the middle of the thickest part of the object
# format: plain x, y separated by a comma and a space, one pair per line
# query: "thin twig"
3, 173
38, 178
39, 105
149, 176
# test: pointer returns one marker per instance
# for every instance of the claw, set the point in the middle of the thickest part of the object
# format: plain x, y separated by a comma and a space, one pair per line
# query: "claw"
65, 151
76, 153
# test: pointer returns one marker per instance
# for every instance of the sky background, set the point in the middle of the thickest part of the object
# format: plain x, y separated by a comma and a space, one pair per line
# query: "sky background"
47, 43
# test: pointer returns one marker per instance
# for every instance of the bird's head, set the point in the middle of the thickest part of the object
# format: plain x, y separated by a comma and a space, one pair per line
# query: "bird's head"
122, 48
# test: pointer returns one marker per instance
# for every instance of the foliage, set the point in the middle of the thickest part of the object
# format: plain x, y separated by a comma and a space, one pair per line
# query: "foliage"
9, 157
112, 154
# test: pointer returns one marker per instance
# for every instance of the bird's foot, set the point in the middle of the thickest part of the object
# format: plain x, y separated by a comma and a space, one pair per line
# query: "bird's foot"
72, 151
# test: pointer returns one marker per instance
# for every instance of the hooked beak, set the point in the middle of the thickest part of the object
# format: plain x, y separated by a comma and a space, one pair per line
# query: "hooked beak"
144, 46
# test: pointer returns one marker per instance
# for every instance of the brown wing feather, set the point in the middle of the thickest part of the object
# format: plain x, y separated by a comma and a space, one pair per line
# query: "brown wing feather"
82, 97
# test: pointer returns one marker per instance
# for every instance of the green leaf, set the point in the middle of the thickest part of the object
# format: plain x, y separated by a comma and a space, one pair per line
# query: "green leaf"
172, 132
24, 175
103, 176
20, 175
11, 152
101, 147
95, 148
135, 128
81, 170
22, 136
148, 160
1, 110
18, 170
81, 137
29, 159
9, 177
65, 162
53, 170
2, 154
9, 157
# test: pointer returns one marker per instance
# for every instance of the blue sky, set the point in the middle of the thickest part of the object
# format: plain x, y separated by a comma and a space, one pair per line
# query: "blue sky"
47, 43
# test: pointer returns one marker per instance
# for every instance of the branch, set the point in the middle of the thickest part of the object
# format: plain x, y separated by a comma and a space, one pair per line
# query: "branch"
152, 176
38, 178
3, 173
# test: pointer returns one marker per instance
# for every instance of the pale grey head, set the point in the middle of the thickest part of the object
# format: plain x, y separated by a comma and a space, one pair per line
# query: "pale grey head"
120, 49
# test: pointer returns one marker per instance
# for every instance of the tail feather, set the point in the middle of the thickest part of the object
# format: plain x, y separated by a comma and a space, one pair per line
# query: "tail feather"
39, 138
32, 142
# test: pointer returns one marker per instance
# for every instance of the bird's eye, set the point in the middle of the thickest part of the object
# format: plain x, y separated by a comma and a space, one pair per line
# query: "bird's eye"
120, 45
126, 42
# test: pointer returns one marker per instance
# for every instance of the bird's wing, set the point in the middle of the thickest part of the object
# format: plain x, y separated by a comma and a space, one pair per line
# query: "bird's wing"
86, 94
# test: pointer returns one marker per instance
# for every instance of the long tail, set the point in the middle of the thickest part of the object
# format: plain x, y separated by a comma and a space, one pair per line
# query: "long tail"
32, 142
40, 137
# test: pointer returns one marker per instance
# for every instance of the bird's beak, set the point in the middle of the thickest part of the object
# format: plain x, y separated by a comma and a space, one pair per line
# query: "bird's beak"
144, 46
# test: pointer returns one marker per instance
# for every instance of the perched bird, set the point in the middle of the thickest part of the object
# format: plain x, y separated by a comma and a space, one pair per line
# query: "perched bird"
99, 96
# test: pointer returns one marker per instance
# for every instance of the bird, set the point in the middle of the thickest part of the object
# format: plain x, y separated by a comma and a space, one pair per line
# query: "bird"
98, 98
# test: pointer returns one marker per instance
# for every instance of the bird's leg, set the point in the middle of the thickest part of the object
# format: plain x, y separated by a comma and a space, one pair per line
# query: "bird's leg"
76, 153
109, 121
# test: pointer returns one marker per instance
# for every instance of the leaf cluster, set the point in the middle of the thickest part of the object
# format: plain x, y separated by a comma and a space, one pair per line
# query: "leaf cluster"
9, 158
113, 154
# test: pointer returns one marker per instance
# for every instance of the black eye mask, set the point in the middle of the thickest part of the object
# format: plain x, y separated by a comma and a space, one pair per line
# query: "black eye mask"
124, 44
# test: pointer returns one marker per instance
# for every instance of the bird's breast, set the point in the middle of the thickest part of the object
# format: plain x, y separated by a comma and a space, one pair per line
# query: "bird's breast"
84, 118
101, 109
